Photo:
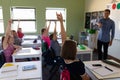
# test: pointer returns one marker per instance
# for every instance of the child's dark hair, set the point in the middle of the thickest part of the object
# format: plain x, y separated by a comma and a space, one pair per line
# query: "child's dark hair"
42, 30
51, 36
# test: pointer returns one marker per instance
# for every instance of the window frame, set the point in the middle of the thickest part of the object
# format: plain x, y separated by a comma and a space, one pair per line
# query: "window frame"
2, 20
25, 20
64, 19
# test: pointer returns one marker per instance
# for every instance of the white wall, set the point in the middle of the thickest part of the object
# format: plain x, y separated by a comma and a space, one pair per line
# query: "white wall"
98, 5
95, 5
114, 50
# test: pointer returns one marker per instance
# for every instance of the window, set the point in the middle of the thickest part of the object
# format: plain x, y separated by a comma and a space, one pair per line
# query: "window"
51, 16
27, 19
1, 21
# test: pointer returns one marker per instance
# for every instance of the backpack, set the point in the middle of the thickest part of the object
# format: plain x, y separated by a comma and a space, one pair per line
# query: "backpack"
49, 56
65, 74
68, 75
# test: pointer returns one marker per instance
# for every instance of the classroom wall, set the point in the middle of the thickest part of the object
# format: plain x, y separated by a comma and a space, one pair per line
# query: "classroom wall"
98, 5
75, 12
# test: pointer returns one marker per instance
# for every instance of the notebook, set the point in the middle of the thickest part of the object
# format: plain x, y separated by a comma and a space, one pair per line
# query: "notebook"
9, 70
7, 67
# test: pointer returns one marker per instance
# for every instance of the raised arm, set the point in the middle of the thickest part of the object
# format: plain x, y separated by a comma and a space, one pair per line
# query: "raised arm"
47, 28
7, 33
8, 28
55, 28
63, 33
54, 34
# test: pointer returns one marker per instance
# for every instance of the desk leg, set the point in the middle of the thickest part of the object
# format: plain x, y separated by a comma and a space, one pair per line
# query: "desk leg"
81, 56
91, 56
40, 58
13, 59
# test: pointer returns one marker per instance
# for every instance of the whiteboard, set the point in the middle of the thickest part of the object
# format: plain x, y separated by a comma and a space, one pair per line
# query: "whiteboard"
115, 16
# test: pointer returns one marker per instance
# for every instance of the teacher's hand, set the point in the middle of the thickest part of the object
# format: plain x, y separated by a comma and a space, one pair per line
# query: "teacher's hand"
110, 43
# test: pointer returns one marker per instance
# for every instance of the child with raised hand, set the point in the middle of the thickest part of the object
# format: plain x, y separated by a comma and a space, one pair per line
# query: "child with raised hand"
63, 33
75, 67
54, 43
7, 43
19, 31
17, 40
45, 34
53, 37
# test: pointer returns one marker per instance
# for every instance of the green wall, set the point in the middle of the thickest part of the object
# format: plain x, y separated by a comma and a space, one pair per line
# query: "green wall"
75, 12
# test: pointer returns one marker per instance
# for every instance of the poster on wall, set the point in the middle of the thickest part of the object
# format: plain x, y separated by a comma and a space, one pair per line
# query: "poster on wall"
87, 20
92, 18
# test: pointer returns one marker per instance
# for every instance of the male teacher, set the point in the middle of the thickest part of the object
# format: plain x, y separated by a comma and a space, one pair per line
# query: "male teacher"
105, 35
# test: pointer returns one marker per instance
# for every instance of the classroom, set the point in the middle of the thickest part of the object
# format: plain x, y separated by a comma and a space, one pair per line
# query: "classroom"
56, 27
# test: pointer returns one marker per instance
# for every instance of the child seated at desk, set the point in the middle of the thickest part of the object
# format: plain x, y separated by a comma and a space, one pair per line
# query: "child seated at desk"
75, 67
45, 36
17, 40
19, 31
53, 37
7, 44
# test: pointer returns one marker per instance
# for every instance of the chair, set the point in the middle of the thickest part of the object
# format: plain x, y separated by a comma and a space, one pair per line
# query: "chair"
56, 68
82, 37
51, 63
49, 56
2, 58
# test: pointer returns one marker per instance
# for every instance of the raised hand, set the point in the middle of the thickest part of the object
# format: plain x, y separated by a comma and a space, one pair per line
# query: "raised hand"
59, 16
55, 28
10, 21
63, 33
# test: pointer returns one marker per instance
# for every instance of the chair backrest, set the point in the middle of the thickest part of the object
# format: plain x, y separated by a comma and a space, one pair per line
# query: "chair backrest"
49, 56
2, 58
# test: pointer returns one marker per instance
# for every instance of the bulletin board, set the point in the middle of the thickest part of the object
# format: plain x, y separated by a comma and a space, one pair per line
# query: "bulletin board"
115, 16
92, 18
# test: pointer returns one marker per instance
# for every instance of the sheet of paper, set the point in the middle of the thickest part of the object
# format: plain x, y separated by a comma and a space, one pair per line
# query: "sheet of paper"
7, 67
25, 51
101, 70
8, 70
8, 74
104, 71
